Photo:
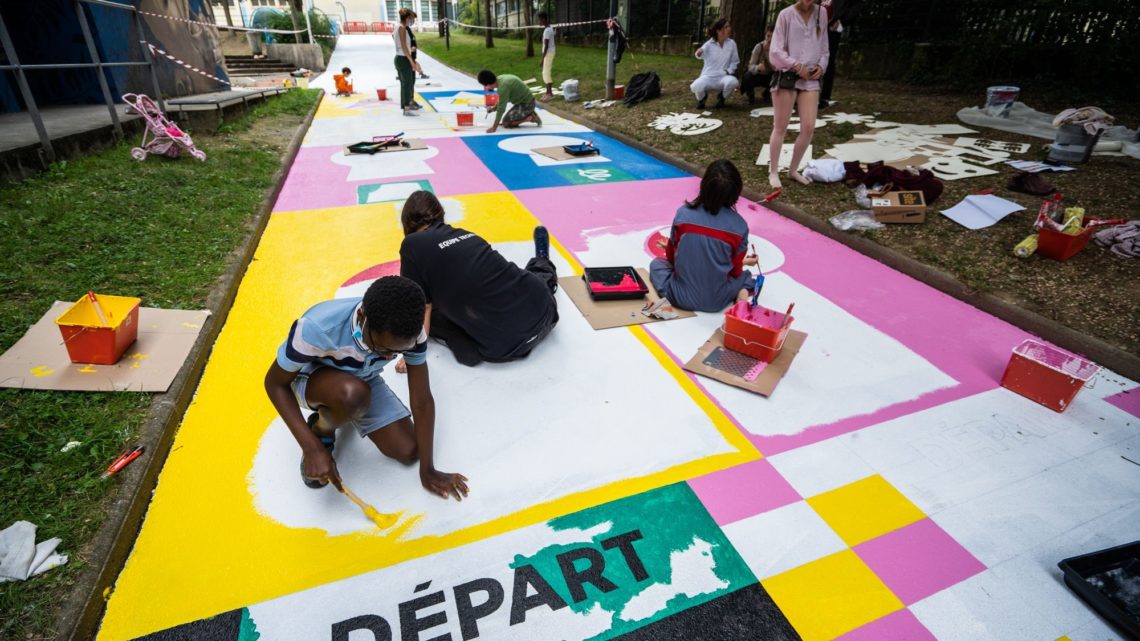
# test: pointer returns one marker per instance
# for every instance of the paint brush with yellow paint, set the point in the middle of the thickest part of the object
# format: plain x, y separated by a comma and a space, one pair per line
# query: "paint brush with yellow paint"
383, 521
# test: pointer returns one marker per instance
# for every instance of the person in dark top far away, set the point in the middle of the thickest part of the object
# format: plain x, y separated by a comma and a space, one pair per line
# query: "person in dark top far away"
483, 306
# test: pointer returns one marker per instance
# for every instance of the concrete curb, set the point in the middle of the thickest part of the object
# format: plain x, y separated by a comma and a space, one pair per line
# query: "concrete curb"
1095, 349
83, 609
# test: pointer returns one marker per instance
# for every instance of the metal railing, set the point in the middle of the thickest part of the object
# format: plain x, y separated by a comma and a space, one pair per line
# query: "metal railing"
97, 64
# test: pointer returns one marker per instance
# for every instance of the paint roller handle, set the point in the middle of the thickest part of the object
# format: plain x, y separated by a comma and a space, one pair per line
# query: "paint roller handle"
98, 309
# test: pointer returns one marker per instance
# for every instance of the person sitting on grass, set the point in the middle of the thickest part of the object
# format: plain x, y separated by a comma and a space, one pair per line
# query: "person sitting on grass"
331, 363
511, 89
343, 82
482, 305
703, 268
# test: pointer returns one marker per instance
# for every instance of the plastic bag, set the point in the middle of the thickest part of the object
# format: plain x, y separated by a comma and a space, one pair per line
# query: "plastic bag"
570, 90
825, 170
856, 220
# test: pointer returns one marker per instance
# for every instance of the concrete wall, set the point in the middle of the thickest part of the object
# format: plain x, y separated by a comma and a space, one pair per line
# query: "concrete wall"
308, 56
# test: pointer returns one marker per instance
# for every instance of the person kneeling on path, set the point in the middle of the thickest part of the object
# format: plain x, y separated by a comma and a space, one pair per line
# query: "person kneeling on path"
482, 305
331, 363
703, 268
511, 89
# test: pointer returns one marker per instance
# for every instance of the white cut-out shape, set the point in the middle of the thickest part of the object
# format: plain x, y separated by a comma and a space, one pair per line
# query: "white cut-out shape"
393, 191
759, 112
869, 152
393, 164
785, 160
526, 144
693, 574
993, 145
953, 168
840, 118
686, 124
794, 123
882, 124
558, 454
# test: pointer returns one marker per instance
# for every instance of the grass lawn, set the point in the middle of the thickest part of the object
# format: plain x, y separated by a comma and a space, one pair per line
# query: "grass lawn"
163, 230
1095, 292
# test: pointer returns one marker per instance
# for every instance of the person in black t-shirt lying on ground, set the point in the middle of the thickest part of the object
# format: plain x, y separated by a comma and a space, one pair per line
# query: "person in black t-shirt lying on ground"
483, 306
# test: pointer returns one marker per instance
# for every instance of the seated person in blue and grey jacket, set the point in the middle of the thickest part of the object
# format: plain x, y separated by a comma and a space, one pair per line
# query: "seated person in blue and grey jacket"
703, 268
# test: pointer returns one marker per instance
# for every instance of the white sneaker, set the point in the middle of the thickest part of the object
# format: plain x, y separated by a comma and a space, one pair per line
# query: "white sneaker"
411, 112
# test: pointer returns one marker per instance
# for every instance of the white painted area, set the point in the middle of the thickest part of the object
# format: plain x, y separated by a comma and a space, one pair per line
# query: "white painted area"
308, 615
782, 539
385, 165
607, 248
858, 368
982, 608
695, 569
820, 467
526, 144
571, 426
393, 191
978, 448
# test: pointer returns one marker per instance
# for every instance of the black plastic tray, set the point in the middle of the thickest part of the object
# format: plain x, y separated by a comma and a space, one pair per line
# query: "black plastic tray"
613, 275
1079, 569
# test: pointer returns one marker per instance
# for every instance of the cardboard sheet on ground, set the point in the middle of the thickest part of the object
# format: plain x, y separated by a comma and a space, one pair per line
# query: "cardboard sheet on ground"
557, 153
414, 144
39, 360
613, 313
766, 382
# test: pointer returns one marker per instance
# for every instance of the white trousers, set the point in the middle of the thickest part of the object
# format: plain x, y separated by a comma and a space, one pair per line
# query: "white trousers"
705, 85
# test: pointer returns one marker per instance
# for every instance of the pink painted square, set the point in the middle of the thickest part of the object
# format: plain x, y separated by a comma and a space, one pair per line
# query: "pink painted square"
317, 181
1128, 401
918, 560
896, 626
743, 491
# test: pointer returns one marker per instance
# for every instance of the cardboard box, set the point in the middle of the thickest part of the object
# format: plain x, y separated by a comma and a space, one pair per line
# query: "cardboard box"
899, 207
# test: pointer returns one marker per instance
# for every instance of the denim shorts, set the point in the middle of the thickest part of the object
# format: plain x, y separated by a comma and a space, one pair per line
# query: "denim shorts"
384, 407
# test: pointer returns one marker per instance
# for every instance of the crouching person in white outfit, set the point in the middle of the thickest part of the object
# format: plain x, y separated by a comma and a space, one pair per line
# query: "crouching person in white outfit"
721, 59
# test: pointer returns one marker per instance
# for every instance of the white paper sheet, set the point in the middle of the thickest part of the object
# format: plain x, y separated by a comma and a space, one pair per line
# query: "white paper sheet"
977, 212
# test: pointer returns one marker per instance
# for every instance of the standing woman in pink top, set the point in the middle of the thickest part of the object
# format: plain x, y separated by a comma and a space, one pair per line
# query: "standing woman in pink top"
799, 52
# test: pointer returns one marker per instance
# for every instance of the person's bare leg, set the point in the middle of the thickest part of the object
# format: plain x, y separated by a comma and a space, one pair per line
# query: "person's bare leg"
338, 397
397, 441
807, 105
782, 100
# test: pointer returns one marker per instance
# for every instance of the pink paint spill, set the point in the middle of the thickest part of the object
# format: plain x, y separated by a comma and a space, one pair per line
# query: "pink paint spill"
1128, 401
901, 625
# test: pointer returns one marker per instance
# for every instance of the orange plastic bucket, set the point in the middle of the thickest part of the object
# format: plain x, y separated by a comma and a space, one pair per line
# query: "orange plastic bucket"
491, 99
465, 118
382, 94
88, 340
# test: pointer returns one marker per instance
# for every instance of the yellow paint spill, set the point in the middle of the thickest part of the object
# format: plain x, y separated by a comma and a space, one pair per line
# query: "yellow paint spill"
42, 370
88, 369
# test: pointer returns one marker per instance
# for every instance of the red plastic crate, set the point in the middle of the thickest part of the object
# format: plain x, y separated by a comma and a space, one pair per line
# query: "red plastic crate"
1046, 374
759, 333
491, 99
88, 340
465, 119
1059, 246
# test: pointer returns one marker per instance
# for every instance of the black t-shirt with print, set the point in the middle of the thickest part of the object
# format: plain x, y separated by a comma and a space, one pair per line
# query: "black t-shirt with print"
496, 302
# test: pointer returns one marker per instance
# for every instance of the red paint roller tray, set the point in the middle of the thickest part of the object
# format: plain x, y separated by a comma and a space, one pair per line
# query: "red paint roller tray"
88, 340
756, 330
1107, 580
1046, 374
614, 283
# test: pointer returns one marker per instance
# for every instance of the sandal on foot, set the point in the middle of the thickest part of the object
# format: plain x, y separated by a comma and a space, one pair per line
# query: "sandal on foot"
328, 441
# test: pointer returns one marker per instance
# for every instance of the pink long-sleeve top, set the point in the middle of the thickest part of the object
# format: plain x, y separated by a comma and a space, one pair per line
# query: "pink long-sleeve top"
795, 41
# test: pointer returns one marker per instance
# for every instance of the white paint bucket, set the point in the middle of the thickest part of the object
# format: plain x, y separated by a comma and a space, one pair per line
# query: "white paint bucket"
999, 100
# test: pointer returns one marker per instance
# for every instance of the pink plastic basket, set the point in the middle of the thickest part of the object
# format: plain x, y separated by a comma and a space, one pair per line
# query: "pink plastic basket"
1046, 374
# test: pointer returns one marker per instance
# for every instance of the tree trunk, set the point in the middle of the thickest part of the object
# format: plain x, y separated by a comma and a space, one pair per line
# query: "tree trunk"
529, 32
490, 40
747, 19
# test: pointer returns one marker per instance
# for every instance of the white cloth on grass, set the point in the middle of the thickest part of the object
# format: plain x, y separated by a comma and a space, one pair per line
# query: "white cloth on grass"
20, 556
825, 170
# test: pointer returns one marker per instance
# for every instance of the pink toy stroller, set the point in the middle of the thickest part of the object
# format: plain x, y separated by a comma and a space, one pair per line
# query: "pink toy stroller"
166, 138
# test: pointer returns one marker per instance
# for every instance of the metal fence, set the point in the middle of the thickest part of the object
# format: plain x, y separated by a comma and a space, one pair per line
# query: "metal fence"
20, 70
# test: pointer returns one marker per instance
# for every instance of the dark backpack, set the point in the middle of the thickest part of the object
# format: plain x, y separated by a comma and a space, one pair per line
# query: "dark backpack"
642, 87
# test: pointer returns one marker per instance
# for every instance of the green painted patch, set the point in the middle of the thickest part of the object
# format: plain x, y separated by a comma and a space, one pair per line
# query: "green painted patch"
591, 173
632, 565
248, 630
367, 194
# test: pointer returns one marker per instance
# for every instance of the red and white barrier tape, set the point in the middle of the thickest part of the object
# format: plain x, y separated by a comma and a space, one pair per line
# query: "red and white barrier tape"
556, 26
191, 67
217, 26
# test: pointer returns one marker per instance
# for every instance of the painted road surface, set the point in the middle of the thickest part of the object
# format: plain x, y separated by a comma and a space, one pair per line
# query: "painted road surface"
889, 489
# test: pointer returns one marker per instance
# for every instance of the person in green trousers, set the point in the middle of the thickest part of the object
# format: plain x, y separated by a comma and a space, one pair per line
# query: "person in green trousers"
406, 67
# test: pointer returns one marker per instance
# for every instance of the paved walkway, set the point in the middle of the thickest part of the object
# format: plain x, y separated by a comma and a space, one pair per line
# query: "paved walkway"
888, 489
